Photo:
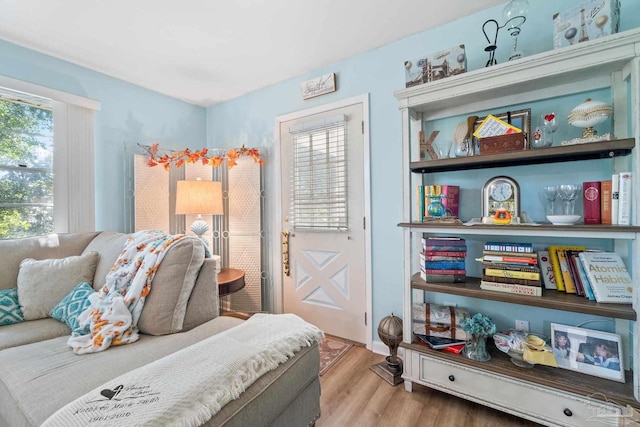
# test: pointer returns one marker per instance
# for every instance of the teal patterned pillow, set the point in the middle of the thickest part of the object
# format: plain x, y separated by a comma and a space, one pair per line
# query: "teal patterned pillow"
72, 305
9, 308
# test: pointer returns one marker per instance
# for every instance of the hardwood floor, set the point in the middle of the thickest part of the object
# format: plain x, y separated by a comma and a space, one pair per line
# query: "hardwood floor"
353, 395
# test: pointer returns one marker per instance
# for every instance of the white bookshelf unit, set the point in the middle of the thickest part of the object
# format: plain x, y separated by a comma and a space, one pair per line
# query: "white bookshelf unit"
550, 396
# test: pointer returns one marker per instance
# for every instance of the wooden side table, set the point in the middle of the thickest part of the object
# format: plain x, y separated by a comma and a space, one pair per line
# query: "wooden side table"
230, 280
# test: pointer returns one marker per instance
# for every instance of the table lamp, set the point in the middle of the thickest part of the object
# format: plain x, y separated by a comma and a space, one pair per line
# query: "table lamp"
200, 198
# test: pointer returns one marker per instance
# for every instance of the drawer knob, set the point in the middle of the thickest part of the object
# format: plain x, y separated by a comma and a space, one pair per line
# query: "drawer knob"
567, 412
452, 378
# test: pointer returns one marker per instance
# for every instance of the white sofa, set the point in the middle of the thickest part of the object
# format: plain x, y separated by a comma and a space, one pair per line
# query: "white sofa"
39, 373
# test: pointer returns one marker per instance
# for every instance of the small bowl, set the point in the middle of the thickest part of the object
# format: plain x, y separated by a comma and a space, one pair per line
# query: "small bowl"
563, 219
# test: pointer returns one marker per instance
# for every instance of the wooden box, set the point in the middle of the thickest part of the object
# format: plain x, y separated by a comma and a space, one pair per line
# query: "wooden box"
502, 143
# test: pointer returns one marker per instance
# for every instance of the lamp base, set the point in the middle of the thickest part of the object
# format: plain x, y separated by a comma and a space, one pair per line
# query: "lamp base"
199, 227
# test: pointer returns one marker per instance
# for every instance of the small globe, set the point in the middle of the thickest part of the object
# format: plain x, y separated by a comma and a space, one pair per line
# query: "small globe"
390, 333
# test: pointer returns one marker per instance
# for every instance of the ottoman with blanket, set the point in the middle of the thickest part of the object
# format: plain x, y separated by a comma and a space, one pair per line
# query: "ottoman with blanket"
169, 361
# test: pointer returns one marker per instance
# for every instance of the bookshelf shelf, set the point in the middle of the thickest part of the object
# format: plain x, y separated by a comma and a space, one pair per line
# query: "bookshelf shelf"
550, 299
594, 150
623, 232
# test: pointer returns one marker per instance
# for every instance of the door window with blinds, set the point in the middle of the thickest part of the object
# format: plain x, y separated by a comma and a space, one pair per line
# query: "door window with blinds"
319, 175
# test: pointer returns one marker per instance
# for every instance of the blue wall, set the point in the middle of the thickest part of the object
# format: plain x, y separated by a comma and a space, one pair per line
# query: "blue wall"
250, 120
128, 113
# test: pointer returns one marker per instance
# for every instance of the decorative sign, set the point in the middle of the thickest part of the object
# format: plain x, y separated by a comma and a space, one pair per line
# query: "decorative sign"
319, 86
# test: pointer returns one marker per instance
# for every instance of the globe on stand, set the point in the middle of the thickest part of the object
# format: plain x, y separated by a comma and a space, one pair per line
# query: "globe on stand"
390, 333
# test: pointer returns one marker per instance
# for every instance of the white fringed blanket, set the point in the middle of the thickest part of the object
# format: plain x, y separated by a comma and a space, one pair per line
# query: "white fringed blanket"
188, 387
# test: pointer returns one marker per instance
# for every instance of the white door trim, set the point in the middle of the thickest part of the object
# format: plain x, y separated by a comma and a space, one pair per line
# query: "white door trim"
276, 203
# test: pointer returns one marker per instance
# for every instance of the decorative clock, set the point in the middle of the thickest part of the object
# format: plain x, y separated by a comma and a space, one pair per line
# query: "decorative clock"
501, 194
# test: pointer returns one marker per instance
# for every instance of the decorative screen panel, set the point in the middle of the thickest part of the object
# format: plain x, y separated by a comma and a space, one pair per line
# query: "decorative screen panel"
244, 226
151, 189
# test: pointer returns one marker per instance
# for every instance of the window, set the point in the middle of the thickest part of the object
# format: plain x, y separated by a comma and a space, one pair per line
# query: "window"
46, 160
26, 169
319, 181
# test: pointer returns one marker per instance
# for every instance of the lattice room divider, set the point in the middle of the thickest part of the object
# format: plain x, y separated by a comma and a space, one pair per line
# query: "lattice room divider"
238, 236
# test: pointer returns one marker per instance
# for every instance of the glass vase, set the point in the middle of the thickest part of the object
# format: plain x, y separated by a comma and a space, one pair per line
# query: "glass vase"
476, 348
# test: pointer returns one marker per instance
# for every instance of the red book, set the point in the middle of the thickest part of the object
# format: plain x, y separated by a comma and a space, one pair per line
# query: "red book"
591, 202
605, 201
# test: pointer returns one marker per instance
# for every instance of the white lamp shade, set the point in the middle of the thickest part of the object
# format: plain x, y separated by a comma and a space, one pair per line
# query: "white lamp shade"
199, 197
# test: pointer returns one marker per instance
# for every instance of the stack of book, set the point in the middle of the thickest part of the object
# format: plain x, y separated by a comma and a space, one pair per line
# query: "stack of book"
596, 275
442, 259
511, 268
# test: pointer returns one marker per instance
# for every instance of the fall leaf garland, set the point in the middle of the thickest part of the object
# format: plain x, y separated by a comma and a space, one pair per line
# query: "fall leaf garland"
178, 158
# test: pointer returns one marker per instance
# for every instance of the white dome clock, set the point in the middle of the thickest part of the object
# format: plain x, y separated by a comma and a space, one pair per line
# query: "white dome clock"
501, 201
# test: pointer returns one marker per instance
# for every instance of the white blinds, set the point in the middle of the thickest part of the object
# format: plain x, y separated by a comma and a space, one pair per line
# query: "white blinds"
73, 168
319, 176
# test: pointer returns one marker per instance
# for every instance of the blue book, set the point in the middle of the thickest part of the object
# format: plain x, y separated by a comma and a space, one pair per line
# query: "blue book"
444, 265
509, 247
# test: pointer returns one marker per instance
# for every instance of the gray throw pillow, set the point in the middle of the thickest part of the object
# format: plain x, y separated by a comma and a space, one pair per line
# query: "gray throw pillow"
43, 283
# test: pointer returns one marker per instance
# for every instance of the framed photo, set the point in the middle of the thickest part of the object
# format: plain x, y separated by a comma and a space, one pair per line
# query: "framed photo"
518, 118
590, 352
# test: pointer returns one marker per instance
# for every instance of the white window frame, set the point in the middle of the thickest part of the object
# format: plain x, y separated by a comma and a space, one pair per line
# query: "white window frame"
73, 155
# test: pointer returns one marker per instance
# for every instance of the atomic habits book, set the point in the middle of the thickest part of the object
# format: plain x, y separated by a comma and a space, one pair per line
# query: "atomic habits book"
608, 276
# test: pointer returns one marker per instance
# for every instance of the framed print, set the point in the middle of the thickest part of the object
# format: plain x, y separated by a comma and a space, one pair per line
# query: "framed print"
518, 118
588, 351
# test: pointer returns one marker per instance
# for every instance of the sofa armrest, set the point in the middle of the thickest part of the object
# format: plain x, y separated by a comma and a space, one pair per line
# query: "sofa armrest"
203, 302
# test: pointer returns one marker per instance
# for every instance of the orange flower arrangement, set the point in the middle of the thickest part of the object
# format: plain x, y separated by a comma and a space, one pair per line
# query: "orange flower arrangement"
178, 158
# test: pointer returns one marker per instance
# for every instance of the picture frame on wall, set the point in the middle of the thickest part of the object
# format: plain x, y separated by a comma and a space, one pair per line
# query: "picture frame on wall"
518, 118
588, 351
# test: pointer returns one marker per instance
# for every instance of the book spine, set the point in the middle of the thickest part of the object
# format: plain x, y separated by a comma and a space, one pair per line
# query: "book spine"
557, 273
521, 254
512, 273
459, 254
438, 241
512, 280
444, 265
509, 259
420, 203
591, 202
512, 267
546, 270
431, 248
535, 291
572, 260
454, 272
443, 278
585, 280
605, 202
569, 286
455, 349
509, 247
443, 258
624, 199
615, 197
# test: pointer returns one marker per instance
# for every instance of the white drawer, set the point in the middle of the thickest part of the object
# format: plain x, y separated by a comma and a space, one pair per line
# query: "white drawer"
541, 404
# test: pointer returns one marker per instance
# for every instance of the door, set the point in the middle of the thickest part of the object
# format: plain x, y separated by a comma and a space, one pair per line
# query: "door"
323, 220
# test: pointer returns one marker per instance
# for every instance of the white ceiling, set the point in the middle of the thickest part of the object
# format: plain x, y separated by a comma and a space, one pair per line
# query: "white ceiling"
209, 51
